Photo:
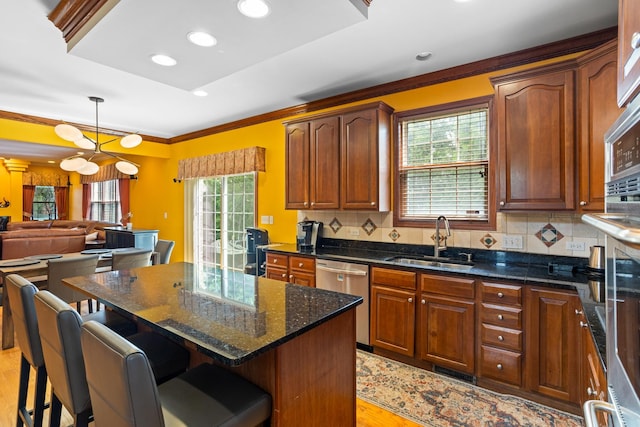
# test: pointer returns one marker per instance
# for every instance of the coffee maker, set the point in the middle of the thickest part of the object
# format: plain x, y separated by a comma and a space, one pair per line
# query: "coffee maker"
256, 258
308, 233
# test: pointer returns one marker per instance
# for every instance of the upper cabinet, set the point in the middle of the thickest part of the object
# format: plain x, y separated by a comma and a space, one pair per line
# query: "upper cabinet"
597, 110
340, 160
536, 138
628, 50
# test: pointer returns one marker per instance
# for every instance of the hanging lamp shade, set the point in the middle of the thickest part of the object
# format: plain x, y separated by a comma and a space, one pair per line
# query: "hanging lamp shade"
126, 168
68, 132
131, 141
88, 169
72, 164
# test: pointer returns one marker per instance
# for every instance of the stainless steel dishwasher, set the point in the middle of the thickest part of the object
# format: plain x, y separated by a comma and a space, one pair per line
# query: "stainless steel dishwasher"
352, 279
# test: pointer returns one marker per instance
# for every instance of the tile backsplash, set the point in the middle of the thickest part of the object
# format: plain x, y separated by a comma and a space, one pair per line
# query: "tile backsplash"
541, 233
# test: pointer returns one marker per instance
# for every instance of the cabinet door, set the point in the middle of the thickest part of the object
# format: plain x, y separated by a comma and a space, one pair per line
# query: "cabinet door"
304, 279
393, 319
597, 110
628, 50
360, 160
552, 344
277, 274
297, 166
447, 334
536, 141
325, 163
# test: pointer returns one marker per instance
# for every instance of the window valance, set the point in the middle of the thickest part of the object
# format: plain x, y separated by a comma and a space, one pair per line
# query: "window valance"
250, 159
105, 173
53, 178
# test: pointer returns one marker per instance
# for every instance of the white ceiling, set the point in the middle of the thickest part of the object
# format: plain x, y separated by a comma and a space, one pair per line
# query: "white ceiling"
303, 51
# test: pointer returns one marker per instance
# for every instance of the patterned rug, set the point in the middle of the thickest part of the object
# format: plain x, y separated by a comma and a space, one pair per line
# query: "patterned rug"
432, 399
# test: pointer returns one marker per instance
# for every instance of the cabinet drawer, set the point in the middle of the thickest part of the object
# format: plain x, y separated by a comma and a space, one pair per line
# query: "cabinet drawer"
501, 365
454, 287
302, 264
506, 317
279, 260
501, 294
496, 336
394, 278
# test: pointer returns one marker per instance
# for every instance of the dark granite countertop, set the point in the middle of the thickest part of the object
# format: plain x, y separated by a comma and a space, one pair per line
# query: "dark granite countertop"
229, 316
568, 273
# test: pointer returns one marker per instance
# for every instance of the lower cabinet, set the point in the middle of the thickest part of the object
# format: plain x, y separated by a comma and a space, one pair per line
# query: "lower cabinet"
552, 343
393, 310
447, 322
593, 379
291, 268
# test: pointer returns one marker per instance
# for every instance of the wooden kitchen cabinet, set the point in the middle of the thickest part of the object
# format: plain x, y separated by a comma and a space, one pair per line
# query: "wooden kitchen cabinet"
597, 110
536, 138
393, 310
628, 50
291, 268
593, 379
447, 322
501, 333
552, 344
339, 160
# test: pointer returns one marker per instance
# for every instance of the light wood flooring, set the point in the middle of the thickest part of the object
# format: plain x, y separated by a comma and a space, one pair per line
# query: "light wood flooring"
367, 415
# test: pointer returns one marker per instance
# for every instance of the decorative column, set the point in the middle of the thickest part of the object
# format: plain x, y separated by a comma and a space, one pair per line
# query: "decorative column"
16, 168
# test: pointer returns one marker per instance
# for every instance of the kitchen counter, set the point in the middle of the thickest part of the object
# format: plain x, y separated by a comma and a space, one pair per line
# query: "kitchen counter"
567, 273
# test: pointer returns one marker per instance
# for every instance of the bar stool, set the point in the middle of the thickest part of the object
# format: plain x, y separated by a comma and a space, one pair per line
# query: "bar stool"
164, 249
59, 328
123, 391
121, 260
21, 292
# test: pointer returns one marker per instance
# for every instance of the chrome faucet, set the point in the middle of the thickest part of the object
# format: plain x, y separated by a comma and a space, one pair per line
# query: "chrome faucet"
437, 247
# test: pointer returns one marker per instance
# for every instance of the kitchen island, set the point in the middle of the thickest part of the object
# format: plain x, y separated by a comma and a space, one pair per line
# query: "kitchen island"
298, 343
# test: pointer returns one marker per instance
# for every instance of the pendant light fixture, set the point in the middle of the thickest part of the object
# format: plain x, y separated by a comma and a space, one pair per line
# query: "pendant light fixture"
84, 166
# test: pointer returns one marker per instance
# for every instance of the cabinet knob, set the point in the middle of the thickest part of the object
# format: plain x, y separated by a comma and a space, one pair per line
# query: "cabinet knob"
635, 40
313, 203
500, 338
583, 203
499, 366
578, 312
502, 203
284, 275
306, 204
591, 392
300, 265
373, 203
291, 276
275, 261
500, 317
584, 324
410, 300
500, 295
423, 301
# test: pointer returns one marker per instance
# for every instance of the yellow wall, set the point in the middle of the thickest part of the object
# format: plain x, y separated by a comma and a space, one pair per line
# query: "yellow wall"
155, 193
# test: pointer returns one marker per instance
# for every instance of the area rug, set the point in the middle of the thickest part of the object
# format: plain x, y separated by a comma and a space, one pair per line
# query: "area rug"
432, 399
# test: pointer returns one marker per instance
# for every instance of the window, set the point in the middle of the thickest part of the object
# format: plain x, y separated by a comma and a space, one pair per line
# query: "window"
105, 201
44, 203
443, 165
223, 207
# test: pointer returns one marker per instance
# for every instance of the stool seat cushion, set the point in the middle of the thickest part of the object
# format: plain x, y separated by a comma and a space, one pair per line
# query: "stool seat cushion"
206, 393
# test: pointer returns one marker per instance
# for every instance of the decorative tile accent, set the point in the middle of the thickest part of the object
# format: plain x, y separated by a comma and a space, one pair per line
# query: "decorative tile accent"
335, 225
487, 240
394, 235
369, 227
549, 235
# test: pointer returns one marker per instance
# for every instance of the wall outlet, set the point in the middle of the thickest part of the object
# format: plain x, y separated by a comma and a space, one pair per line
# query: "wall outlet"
266, 219
354, 232
512, 241
576, 246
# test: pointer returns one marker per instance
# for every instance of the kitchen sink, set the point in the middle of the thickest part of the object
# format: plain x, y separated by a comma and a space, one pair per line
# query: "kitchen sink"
426, 262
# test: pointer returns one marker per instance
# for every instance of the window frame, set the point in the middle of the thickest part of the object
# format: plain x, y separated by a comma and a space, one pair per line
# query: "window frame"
443, 109
102, 202
34, 202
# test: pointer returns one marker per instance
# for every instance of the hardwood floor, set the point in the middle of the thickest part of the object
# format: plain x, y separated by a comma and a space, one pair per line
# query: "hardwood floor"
367, 415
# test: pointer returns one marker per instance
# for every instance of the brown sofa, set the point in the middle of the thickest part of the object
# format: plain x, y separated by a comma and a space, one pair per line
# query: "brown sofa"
26, 238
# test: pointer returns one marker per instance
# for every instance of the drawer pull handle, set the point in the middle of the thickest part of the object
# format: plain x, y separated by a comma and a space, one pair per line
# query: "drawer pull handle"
500, 317
300, 265
499, 366
591, 392
500, 295
578, 312
584, 324
635, 40
500, 338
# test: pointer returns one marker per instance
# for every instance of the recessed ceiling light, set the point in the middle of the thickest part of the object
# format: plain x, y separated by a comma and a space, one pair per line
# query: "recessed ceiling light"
165, 60
423, 56
199, 92
51, 161
253, 8
201, 38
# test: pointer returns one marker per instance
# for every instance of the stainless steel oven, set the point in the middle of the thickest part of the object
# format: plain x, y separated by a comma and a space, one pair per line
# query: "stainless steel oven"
621, 225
